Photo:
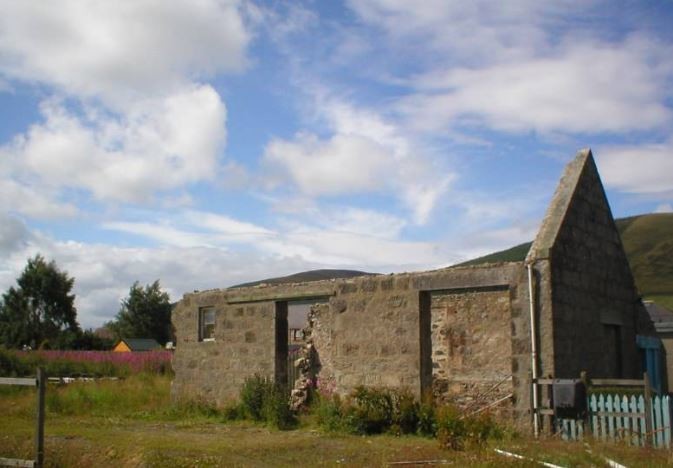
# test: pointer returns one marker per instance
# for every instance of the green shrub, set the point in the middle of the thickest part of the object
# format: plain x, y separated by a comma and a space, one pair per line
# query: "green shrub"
450, 428
456, 432
330, 413
480, 428
372, 410
233, 411
276, 408
405, 412
11, 365
252, 396
369, 411
263, 400
427, 425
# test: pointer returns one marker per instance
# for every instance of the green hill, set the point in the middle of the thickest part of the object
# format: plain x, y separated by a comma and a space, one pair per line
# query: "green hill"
306, 276
648, 242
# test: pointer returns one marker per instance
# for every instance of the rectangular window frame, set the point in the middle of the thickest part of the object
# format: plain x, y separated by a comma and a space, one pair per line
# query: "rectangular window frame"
207, 319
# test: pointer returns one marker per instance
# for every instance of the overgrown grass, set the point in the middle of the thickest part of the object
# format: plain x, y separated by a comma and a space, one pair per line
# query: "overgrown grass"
263, 400
378, 410
131, 422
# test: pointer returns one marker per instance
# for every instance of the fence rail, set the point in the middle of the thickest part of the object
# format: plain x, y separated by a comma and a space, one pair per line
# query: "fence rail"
40, 381
623, 418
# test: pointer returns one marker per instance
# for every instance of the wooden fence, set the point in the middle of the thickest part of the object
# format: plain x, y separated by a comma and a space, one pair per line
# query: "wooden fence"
639, 419
40, 382
622, 418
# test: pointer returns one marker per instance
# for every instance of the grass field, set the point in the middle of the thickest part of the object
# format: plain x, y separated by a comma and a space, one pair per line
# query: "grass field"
132, 423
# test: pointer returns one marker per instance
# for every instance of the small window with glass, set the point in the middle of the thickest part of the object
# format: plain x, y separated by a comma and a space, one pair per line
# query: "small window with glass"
207, 324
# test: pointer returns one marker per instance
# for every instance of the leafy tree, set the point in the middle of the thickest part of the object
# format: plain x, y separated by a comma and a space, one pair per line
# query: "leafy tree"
40, 311
90, 340
145, 313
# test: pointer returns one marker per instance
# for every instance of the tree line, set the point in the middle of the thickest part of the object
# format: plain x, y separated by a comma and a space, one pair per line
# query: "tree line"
39, 312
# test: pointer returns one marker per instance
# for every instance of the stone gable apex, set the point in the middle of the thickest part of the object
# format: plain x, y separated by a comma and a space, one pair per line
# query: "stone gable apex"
580, 175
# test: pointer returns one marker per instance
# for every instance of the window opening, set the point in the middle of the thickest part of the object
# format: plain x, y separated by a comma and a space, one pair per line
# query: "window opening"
207, 324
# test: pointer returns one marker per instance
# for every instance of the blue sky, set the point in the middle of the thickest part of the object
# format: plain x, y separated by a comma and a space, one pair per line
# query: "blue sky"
210, 143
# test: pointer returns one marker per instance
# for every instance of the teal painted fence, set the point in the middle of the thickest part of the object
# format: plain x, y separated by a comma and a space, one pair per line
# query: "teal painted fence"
622, 418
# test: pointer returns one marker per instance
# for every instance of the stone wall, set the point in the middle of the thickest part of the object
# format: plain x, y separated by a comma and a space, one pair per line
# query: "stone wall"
374, 331
586, 285
244, 345
471, 355
455, 331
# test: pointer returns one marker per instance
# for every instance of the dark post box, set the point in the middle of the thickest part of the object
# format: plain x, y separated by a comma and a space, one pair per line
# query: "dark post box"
569, 397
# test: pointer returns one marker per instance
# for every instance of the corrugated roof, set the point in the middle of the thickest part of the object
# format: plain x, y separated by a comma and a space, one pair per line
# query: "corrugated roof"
661, 317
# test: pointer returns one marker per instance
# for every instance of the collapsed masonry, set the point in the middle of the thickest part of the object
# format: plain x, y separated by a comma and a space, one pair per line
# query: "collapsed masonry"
462, 334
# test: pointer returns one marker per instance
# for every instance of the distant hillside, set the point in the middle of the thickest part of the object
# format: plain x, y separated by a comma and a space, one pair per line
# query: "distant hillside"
648, 242
513, 254
306, 276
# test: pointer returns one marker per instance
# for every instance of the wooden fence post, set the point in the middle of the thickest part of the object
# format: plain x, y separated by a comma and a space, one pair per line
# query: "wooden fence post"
39, 420
588, 431
647, 393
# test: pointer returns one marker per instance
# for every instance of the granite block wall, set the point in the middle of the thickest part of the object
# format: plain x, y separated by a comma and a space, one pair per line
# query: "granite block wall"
374, 331
471, 355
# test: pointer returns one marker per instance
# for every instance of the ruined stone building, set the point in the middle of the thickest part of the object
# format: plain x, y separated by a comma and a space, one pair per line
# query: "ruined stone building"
456, 332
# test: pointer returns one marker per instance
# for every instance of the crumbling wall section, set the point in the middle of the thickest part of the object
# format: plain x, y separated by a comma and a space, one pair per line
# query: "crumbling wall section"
374, 331
471, 355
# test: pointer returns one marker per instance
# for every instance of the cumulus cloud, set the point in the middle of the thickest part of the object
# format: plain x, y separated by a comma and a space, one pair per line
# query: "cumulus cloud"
14, 234
364, 154
104, 273
641, 169
125, 116
201, 250
120, 51
17, 197
573, 90
157, 145
338, 165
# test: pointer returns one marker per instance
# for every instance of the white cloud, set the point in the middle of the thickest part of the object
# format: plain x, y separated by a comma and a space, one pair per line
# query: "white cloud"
34, 201
642, 169
338, 236
471, 31
225, 225
360, 221
120, 51
339, 165
14, 235
191, 255
474, 244
104, 273
664, 208
364, 154
574, 89
158, 144
524, 65
336, 248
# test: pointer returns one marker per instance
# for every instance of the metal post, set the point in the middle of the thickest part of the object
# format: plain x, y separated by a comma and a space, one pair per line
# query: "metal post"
533, 352
39, 420
647, 393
